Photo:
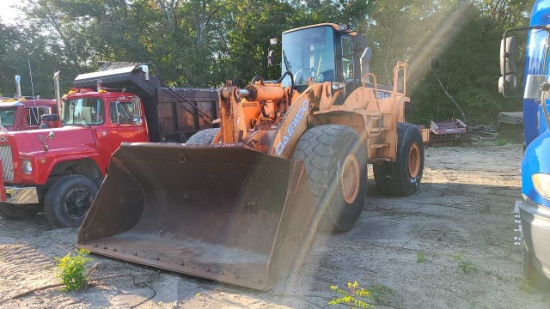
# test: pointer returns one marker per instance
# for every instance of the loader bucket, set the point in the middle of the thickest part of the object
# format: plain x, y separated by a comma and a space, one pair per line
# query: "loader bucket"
229, 214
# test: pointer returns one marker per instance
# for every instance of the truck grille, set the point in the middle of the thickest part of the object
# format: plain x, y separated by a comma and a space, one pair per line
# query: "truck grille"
7, 162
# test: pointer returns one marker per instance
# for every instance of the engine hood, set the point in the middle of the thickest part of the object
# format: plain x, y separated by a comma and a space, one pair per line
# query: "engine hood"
69, 137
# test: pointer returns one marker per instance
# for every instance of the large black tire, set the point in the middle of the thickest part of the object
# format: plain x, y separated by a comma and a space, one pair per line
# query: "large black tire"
69, 199
536, 278
335, 160
14, 212
203, 137
403, 176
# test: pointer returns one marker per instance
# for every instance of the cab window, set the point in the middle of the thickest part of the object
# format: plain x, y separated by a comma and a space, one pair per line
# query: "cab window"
121, 112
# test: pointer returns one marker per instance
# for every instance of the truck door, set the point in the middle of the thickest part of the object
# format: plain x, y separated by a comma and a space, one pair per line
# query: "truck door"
123, 127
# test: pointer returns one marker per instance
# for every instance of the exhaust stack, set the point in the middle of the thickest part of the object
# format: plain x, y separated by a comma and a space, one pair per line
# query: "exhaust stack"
18, 86
57, 92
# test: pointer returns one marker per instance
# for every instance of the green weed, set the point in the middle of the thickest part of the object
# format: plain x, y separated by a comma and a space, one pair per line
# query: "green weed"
526, 286
354, 296
464, 265
381, 293
421, 257
71, 270
500, 142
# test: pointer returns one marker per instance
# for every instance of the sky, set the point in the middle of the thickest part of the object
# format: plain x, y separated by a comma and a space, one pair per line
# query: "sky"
6, 11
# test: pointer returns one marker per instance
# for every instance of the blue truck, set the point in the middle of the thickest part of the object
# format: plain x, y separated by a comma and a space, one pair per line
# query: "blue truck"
532, 214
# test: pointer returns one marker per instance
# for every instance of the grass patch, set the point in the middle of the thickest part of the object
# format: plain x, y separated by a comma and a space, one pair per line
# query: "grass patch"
353, 295
71, 270
381, 293
465, 265
500, 142
421, 257
526, 286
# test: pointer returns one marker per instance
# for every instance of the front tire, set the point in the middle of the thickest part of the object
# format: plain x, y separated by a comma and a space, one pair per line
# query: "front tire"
13, 212
403, 176
69, 199
335, 160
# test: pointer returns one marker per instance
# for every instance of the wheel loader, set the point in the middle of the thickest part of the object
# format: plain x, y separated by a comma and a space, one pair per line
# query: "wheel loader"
241, 204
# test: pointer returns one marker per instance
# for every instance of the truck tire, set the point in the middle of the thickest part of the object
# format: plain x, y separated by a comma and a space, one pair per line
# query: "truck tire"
329, 151
69, 199
203, 137
12, 212
535, 277
403, 176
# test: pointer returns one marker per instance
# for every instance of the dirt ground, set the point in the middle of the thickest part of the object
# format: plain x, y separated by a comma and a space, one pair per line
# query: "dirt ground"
450, 245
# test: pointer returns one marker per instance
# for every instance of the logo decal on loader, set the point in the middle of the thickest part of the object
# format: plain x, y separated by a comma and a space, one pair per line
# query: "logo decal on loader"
290, 130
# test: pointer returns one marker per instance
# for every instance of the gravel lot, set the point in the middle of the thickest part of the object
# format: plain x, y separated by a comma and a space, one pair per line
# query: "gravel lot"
447, 246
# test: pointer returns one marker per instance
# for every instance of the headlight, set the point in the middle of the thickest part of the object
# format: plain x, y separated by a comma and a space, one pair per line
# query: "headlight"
541, 182
26, 166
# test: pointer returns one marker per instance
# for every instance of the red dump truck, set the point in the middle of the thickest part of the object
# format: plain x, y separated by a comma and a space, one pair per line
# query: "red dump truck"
24, 112
59, 169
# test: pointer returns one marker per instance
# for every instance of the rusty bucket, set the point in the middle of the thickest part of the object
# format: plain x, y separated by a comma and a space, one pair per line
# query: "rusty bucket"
221, 212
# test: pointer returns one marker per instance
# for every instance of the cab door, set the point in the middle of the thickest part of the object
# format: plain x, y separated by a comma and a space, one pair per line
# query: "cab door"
125, 122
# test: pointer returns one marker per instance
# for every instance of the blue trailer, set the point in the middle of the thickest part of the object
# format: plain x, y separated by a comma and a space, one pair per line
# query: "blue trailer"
533, 212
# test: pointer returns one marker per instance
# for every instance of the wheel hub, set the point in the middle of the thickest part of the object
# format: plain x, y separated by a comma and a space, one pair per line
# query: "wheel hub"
414, 161
350, 179
77, 202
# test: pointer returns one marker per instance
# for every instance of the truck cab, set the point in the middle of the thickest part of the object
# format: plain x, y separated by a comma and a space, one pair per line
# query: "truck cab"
532, 214
24, 113
58, 169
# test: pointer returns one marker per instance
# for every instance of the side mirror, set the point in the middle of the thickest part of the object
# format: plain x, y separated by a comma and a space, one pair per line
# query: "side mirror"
507, 83
508, 55
273, 42
271, 58
137, 121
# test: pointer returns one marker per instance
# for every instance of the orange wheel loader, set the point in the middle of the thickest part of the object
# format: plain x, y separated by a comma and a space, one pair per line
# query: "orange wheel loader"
241, 204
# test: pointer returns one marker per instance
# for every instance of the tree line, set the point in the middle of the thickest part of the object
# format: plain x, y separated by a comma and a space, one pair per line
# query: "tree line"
451, 46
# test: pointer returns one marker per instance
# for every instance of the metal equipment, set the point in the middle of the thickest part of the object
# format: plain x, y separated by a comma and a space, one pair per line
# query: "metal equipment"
241, 203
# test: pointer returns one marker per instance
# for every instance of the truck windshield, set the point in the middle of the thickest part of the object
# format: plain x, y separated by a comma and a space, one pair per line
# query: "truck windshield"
7, 117
83, 111
309, 53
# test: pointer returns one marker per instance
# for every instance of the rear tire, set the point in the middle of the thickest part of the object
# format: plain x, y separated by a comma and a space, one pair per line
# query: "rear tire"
335, 160
69, 199
403, 176
13, 212
203, 137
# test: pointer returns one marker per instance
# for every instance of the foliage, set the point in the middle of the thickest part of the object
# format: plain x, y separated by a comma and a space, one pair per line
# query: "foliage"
451, 46
501, 142
381, 293
464, 265
71, 270
421, 257
352, 296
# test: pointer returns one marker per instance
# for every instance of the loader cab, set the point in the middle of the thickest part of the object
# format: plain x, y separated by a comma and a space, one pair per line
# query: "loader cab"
324, 52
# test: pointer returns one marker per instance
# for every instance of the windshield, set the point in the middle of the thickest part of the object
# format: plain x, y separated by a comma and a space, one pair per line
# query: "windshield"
309, 53
85, 111
7, 117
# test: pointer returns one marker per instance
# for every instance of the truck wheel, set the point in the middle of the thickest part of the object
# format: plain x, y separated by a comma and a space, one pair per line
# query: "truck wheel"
403, 176
535, 277
69, 199
329, 151
12, 212
203, 137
